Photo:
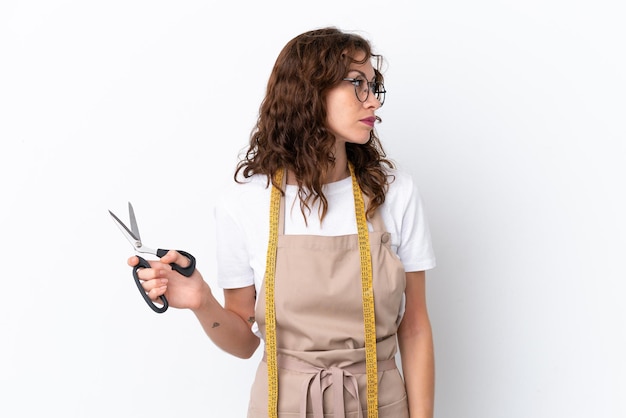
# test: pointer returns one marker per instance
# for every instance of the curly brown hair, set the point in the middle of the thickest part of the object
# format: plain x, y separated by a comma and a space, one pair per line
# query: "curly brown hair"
291, 130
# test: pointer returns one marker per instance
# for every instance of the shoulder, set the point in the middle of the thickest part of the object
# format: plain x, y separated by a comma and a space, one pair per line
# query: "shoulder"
402, 186
243, 194
405, 217
403, 199
244, 203
399, 178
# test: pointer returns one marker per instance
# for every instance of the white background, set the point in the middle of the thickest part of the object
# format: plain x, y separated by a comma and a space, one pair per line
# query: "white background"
509, 114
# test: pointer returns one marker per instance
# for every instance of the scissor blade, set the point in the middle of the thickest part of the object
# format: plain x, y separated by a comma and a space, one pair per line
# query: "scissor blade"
129, 234
133, 222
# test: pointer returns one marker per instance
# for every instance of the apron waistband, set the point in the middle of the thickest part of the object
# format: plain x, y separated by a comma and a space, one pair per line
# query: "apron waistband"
321, 379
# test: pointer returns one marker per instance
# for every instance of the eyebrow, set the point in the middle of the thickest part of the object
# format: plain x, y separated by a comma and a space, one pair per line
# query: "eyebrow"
363, 74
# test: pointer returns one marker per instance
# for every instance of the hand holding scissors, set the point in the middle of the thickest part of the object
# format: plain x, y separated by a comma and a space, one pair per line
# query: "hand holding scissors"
134, 238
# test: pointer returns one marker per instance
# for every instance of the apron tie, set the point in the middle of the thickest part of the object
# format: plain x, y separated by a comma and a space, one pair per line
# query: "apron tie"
321, 379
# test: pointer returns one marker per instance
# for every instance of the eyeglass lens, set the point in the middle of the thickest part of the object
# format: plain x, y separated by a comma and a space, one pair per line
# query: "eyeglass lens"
363, 90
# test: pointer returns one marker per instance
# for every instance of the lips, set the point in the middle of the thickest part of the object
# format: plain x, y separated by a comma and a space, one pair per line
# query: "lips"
369, 121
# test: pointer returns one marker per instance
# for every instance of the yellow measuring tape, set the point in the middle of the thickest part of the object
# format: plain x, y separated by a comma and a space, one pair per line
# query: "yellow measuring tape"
369, 318
270, 313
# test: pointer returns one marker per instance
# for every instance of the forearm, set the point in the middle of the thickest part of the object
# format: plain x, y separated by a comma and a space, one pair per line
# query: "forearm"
418, 366
227, 329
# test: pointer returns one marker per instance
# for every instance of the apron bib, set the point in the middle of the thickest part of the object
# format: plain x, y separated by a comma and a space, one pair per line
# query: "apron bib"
320, 330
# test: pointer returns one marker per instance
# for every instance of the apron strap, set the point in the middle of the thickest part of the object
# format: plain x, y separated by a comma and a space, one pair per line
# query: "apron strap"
281, 213
378, 225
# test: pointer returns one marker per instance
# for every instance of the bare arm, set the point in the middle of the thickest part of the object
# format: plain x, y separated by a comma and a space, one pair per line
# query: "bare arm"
416, 348
228, 326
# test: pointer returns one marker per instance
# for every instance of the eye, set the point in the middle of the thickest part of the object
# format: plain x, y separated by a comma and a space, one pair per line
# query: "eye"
358, 82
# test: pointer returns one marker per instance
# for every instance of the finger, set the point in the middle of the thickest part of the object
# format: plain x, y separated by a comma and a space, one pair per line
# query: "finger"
151, 273
150, 285
134, 260
175, 257
155, 293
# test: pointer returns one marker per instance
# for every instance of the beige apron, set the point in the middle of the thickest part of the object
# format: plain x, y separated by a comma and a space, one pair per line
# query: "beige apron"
320, 331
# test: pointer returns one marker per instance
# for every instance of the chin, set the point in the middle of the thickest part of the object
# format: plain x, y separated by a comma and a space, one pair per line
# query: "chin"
361, 141
357, 140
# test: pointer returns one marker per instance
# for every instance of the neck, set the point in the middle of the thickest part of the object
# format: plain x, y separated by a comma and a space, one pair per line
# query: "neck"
339, 171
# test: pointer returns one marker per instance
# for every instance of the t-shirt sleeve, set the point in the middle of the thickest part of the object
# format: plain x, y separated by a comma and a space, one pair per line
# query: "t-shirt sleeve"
233, 259
415, 249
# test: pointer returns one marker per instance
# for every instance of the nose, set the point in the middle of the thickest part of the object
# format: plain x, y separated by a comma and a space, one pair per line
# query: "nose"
372, 102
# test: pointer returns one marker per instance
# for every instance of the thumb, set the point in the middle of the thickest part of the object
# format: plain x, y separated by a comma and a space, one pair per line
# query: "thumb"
173, 256
133, 261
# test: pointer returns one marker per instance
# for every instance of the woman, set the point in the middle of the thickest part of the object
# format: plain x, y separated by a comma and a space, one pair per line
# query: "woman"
323, 248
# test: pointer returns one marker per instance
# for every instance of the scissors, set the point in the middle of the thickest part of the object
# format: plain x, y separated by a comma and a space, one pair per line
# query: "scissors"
134, 238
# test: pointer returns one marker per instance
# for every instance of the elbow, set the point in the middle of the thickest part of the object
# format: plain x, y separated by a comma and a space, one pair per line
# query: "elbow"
244, 355
245, 351
414, 330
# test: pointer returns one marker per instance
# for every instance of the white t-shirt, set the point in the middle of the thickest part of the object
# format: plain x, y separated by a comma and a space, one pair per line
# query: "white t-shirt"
242, 225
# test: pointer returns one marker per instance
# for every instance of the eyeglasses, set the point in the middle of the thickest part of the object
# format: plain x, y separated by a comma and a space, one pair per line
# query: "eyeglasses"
362, 89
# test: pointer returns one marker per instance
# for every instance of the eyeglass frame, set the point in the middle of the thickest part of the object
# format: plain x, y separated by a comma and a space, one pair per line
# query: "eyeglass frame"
371, 85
